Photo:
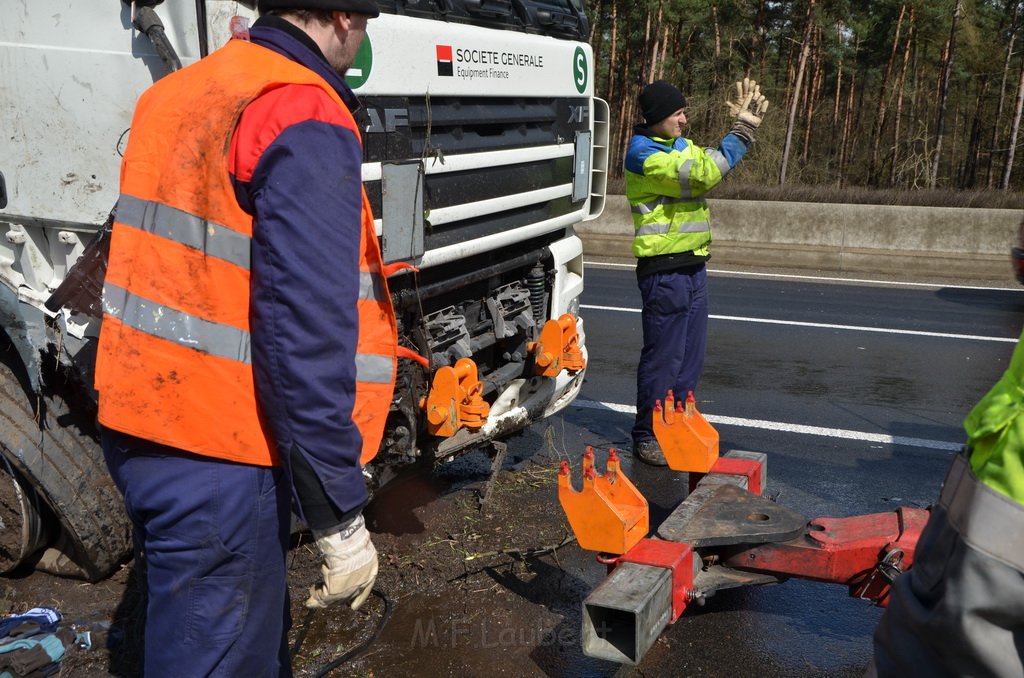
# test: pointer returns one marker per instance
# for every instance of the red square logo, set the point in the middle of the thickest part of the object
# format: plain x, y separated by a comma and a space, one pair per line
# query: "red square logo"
444, 60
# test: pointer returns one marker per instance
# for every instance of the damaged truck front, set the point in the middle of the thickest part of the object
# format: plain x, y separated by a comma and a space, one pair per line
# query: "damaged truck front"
484, 146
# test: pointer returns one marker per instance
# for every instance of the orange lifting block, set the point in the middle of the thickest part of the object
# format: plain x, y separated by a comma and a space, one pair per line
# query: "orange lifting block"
558, 347
609, 514
688, 441
455, 400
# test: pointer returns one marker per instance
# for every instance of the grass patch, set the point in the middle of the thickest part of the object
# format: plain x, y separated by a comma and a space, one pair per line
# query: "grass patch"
857, 195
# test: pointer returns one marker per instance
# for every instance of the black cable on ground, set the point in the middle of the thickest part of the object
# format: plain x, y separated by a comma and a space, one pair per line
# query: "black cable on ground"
302, 634
355, 651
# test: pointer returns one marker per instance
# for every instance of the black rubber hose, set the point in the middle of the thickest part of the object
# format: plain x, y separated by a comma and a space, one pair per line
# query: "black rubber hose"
355, 651
147, 21
201, 19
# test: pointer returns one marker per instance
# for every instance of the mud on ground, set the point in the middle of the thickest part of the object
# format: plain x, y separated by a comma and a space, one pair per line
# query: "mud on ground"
467, 590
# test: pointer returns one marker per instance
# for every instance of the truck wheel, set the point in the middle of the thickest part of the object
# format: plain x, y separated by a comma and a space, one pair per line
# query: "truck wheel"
22, 527
54, 487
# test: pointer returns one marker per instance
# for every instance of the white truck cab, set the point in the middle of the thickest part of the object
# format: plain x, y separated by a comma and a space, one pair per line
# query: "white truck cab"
484, 147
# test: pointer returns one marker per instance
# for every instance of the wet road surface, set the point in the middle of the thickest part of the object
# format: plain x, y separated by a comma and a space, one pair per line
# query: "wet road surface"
855, 391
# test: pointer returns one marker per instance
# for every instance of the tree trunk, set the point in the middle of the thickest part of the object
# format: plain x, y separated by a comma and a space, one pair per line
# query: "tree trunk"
794, 104
790, 77
664, 53
839, 80
677, 48
899, 91
713, 83
882, 103
813, 90
656, 47
969, 177
947, 72
998, 127
613, 57
844, 142
623, 95
597, 38
644, 70
1004, 184
758, 46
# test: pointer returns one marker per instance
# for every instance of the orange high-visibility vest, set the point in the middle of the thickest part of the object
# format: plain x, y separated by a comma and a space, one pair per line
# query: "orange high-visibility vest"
174, 364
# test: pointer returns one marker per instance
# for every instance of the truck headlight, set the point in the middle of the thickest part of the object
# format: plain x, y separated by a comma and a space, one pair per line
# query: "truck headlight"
573, 307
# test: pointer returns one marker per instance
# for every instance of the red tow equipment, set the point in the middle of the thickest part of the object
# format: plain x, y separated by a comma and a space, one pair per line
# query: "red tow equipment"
864, 553
723, 535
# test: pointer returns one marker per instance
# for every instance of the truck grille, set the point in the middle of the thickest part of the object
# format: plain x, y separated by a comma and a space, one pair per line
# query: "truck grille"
405, 128
399, 129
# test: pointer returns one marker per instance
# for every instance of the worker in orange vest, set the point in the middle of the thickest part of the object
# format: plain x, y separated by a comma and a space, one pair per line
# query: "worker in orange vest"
247, 352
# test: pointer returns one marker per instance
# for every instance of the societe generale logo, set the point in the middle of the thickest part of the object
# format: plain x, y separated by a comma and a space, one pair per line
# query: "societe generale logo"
444, 60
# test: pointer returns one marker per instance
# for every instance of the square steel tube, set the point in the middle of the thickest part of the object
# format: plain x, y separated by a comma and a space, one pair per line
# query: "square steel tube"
627, 612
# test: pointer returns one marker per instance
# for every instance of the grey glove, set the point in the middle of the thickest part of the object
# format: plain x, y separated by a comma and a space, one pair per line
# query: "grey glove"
748, 109
349, 569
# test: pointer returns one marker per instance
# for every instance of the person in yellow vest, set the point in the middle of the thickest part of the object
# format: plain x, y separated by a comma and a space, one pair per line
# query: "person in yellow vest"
667, 179
959, 610
246, 359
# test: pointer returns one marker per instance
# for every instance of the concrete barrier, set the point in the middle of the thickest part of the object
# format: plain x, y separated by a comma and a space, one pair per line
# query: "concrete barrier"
878, 239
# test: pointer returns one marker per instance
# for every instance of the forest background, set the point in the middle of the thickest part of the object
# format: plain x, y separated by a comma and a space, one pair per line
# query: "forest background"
872, 101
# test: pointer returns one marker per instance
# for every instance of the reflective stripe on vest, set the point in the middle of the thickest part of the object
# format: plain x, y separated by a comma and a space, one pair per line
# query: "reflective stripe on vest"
181, 328
986, 519
662, 229
187, 229
685, 190
201, 335
719, 159
211, 239
174, 359
649, 207
374, 369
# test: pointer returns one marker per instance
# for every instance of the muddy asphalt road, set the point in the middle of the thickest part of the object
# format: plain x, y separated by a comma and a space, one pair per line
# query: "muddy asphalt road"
855, 390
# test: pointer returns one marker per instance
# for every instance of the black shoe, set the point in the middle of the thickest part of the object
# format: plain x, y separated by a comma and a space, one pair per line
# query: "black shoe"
649, 452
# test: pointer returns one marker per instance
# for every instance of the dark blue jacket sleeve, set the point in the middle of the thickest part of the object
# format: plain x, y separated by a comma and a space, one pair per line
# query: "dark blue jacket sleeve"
306, 195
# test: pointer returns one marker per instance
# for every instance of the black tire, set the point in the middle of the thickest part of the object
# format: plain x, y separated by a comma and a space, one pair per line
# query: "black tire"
23, 520
60, 457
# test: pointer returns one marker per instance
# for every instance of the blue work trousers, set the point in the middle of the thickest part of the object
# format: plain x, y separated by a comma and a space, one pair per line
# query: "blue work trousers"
675, 324
211, 545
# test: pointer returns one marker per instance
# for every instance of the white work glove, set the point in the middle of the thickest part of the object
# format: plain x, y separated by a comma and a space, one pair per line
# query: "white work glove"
748, 109
349, 569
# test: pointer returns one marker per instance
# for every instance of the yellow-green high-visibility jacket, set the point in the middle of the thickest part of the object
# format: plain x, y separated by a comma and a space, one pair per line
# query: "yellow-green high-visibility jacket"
666, 180
995, 431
